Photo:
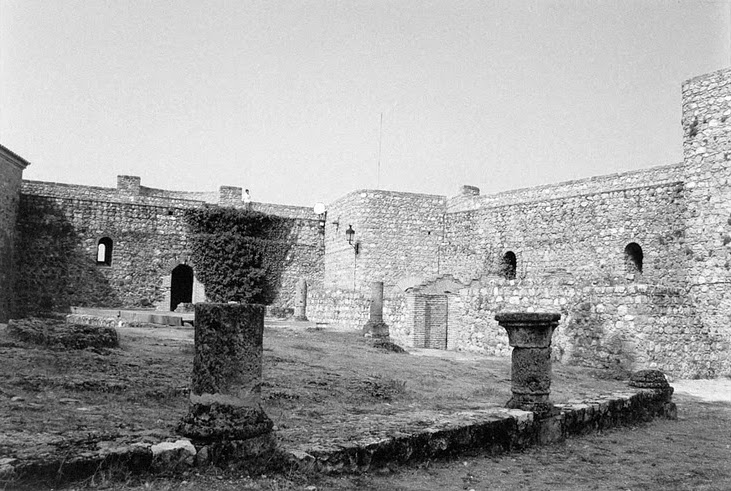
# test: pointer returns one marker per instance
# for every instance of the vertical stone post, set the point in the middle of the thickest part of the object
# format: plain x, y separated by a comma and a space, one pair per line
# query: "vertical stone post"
530, 333
300, 303
226, 386
375, 327
376, 310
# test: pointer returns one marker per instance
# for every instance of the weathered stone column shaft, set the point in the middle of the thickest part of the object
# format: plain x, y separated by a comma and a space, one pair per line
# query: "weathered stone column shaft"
531, 372
226, 381
300, 305
375, 327
530, 333
376, 309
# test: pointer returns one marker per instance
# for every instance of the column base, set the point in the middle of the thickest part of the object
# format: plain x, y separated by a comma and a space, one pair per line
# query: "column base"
217, 422
541, 409
376, 330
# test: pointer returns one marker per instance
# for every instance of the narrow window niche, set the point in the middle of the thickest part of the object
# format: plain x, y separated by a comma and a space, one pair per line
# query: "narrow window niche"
104, 252
633, 258
509, 265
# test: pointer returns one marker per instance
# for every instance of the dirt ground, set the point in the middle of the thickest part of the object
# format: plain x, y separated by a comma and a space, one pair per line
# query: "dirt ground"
692, 453
318, 386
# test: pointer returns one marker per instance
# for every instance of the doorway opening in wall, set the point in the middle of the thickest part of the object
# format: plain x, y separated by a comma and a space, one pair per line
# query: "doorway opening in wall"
430, 329
181, 286
509, 265
633, 258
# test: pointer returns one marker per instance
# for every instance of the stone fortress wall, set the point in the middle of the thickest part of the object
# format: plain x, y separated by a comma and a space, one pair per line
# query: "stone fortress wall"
470, 198
581, 237
61, 226
569, 242
637, 262
707, 155
397, 234
11, 175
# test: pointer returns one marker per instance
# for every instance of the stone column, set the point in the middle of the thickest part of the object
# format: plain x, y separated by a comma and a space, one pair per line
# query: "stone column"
300, 303
375, 327
655, 380
226, 386
529, 333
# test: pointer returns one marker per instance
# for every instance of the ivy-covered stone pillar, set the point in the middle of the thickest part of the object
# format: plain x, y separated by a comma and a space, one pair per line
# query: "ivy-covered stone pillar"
300, 303
226, 385
530, 333
375, 327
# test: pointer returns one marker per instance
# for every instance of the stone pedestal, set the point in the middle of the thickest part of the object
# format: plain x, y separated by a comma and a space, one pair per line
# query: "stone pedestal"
226, 385
656, 381
529, 333
300, 303
375, 327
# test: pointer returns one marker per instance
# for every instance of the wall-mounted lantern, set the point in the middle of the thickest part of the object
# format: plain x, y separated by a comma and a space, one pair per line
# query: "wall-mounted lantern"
350, 233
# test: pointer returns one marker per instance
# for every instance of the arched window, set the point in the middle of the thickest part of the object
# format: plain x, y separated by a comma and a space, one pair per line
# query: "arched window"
633, 258
104, 252
509, 265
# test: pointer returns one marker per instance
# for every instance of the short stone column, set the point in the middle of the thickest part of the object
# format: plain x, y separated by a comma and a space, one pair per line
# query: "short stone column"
529, 333
226, 386
655, 381
300, 303
375, 327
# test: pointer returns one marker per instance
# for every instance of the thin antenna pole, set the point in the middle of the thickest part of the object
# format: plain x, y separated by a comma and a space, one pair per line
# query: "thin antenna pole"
380, 139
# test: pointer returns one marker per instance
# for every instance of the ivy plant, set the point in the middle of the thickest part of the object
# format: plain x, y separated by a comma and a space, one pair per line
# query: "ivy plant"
239, 255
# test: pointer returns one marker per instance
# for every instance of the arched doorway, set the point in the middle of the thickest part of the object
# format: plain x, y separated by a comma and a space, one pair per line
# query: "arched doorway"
181, 286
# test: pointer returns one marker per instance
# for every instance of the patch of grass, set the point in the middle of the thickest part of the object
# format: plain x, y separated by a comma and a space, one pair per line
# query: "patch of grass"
188, 349
317, 386
378, 387
487, 391
308, 347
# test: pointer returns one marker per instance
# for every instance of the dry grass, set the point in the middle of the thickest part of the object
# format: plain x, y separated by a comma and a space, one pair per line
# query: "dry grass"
325, 385
321, 385
318, 386
691, 453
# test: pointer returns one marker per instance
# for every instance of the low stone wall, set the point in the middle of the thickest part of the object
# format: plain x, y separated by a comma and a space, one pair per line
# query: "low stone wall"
621, 327
495, 430
492, 429
56, 334
349, 310
125, 319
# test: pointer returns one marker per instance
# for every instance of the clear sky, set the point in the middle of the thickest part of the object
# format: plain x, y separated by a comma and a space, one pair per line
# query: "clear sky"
285, 97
